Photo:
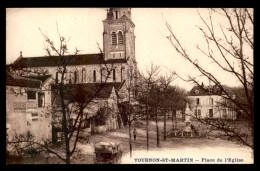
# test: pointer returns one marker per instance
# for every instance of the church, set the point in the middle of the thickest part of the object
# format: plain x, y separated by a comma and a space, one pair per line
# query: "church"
89, 70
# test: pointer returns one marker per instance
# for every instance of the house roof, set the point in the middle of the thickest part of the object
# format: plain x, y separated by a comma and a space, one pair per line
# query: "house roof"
87, 90
83, 59
13, 80
205, 91
42, 78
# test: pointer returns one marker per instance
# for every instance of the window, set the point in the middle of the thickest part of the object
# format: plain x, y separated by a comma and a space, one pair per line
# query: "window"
102, 74
31, 95
65, 77
75, 77
135, 93
87, 123
197, 101
120, 38
34, 116
211, 101
60, 136
210, 113
94, 76
41, 99
225, 101
224, 113
114, 74
199, 112
57, 75
114, 41
70, 79
83, 75
71, 122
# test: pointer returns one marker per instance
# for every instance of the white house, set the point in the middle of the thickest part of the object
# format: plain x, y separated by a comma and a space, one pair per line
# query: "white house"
209, 102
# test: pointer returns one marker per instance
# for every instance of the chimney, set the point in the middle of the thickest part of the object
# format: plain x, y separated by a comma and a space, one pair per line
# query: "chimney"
21, 54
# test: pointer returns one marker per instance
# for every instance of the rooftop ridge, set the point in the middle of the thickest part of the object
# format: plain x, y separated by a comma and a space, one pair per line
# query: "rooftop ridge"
59, 56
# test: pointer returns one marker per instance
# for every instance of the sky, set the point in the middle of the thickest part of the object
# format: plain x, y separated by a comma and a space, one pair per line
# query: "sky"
83, 27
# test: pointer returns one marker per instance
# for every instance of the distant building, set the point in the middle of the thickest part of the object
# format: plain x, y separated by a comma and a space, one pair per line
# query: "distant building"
209, 102
27, 106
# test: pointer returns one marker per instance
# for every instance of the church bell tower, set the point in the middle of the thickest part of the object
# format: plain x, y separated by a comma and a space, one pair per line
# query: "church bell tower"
118, 35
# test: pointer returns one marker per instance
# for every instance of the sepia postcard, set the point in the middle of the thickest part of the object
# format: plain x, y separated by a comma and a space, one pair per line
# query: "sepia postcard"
129, 86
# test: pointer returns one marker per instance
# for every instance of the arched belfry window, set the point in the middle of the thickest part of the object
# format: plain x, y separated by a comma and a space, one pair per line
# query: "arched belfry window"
114, 41
120, 38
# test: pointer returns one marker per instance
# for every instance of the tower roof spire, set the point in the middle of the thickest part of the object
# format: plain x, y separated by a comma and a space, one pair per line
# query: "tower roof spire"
118, 13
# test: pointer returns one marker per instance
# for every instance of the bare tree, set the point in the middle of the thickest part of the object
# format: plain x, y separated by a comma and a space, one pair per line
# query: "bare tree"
164, 84
147, 82
234, 47
177, 99
156, 99
131, 87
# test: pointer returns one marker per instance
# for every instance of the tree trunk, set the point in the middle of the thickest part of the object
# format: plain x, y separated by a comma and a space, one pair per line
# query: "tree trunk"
64, 122
147, 133
92, 126
172, 120
183, 115
147, 122
147, 130
67, 143
130, 138
164, 125
129, 121
157, 130
175, 117
67, 156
